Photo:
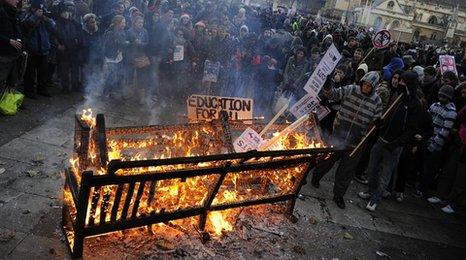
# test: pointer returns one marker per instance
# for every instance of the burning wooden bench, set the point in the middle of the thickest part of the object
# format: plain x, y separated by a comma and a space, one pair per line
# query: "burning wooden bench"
128, 177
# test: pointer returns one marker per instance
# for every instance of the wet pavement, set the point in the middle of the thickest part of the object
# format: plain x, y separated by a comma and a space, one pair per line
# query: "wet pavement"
35, 146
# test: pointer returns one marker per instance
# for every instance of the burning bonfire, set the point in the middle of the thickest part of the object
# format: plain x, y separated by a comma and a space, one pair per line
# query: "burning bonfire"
184, 176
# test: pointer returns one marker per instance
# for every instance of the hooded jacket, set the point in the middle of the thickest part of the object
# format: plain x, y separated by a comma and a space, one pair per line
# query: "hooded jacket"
405, 119
9, 29
395, 64
357, 112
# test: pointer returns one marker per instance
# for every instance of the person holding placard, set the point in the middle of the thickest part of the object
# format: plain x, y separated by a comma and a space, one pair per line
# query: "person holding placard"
360, 108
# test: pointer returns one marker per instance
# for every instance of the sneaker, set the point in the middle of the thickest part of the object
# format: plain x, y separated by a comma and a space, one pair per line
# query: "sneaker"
386, 194
340, 202
371, 206
418, 194
434, 200
399, 196
361, 179
448, 209
364, 195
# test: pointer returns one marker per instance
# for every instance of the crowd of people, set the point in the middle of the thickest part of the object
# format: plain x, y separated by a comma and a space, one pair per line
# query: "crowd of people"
163, 49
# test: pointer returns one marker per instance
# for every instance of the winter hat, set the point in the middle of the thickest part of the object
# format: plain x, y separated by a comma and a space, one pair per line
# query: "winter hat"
447, 91
420, 72
37, 4
132, 9
411, 79
244, 28
363, 67
371, 77
408, 59
185, 16
200, 24
395, 64
429, 71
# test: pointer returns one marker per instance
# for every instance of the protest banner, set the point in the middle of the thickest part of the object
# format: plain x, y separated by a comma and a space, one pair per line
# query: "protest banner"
447, 63
325, 68
247, 141
309, 103
381, 39
211, 70
178, 54
207, 108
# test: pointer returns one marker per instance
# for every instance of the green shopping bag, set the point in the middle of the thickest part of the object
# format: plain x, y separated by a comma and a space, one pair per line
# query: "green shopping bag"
10, 102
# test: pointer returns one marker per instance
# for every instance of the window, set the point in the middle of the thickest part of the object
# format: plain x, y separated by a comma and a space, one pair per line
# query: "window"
390, 5
395, 24
378, 22
433, 36
433, 20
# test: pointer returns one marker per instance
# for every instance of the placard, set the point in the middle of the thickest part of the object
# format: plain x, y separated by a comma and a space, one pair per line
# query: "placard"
178, 54
447, 63
247, 141
308, 104
207, 108
325, 68
211, 70
381, 39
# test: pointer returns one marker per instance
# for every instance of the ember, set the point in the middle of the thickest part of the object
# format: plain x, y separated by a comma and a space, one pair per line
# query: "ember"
184, 176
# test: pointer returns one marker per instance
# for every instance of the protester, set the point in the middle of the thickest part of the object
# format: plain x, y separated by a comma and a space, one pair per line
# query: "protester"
10, 44
350, 125
394, 133
443, 116
37, 28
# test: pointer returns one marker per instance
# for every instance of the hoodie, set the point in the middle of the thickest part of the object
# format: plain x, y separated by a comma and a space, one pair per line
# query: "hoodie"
395, 64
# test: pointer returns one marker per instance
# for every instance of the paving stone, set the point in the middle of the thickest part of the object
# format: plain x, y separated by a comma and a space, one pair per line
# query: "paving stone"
21, 211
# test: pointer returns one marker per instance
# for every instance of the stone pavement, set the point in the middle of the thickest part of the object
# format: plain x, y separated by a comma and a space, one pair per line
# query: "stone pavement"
31, 198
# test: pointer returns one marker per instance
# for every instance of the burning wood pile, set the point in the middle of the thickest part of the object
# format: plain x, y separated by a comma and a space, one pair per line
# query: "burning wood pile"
184, 177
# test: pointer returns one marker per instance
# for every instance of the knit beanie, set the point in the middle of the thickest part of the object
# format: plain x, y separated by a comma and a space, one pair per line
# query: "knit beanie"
371, 77
447, 91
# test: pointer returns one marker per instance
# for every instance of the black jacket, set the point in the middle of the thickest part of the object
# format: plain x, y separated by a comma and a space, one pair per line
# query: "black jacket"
9, 29
403, 122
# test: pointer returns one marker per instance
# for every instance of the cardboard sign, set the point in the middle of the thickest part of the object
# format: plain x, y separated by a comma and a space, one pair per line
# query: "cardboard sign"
207, 108
178, 54
381, 39
447, 63
308, 104
247, 141
211, 70
325, 68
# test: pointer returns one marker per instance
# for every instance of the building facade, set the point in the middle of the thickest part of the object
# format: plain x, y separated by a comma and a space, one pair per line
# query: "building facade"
409, 20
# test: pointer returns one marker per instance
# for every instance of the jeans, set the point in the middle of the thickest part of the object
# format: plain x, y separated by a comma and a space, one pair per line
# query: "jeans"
430, 169
37, 68
382, 164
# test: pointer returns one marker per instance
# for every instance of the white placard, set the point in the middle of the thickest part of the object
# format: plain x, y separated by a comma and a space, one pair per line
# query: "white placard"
247, 141
207, 108
178, 55
308, 104
325, 68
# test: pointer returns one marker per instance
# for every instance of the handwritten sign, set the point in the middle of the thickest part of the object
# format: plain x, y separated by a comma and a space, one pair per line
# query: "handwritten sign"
211, 70
381, 39
178, 54
325, 68
207, 108
307, 104
447, 63
247, 141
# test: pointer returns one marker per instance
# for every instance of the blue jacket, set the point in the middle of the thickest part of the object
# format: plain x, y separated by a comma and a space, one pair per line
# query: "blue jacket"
37, 34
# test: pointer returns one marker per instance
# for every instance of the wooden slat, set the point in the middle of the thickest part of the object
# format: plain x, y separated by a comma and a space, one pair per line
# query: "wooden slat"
94, 202
129, 195
104, 206
138, 198
116, 202
152, 187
